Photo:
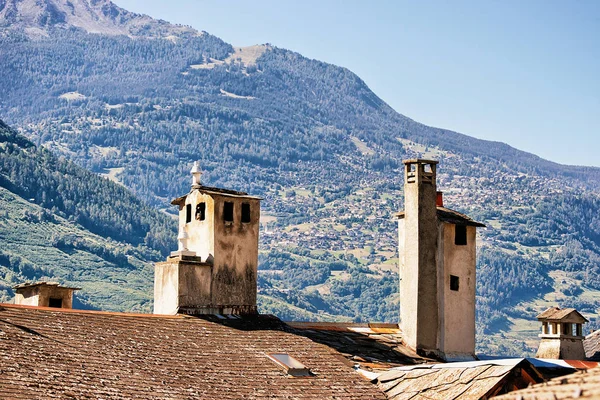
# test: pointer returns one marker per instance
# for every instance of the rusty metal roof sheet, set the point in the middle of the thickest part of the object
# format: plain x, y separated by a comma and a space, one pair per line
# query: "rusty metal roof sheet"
580, 385
57, 353
467, 380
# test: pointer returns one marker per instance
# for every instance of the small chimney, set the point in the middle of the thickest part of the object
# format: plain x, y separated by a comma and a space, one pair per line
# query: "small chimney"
439, 201
44, 294
562, 334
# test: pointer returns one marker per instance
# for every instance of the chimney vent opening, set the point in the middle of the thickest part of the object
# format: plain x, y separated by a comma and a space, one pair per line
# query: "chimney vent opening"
454, 283
188, 213
460, 235
246, 213
228, 211
201, 211
55, 302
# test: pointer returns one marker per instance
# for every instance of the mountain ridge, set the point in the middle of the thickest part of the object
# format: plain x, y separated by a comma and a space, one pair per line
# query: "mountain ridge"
93, 16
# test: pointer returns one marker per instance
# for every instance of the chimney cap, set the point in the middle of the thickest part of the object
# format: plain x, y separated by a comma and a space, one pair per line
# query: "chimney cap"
42, 283
420, 161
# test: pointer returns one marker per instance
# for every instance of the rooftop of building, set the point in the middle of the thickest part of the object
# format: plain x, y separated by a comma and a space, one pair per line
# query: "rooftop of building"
60, 353
591, 344
583, 384
370, 346
458, 381
562, 314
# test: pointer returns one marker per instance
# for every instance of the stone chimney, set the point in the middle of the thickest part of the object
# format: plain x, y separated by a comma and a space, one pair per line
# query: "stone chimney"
44, 294
562, 334
214, 270
437, 269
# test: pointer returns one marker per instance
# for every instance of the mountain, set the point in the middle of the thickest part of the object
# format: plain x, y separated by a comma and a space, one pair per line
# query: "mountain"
60, 221
36, 18
326, 154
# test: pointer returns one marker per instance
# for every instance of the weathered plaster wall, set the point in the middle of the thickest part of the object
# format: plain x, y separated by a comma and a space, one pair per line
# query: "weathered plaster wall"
39, 296
201, 235
195, 284
457, 325
28, 299
236, 254
561, 348
418, 288
166, 287
401, 262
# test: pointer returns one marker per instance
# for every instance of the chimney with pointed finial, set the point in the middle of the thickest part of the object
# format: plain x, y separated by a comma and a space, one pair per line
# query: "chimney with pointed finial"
214, 270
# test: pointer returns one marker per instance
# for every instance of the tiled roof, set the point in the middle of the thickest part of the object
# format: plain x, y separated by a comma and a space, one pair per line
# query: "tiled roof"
580, 385
371, 346
591, 344
453, 381
451, 216
56, 353
557, 314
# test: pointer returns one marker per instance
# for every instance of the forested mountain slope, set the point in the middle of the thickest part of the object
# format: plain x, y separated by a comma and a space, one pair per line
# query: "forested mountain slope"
59, 221
323, 150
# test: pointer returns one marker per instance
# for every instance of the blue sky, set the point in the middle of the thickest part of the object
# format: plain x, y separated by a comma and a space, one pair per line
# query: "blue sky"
526, 73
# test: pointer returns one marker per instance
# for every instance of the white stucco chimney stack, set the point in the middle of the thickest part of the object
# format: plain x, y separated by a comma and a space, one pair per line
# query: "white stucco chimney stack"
215, 269
196, 173
437, 265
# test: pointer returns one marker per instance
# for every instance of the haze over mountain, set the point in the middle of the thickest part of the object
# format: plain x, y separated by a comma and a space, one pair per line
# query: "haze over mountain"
323, 150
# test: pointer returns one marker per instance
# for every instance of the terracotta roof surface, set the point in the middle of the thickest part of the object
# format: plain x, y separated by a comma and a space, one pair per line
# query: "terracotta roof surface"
580, 385
557, 314
56, 353
451, 216
371, 346
468, 380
